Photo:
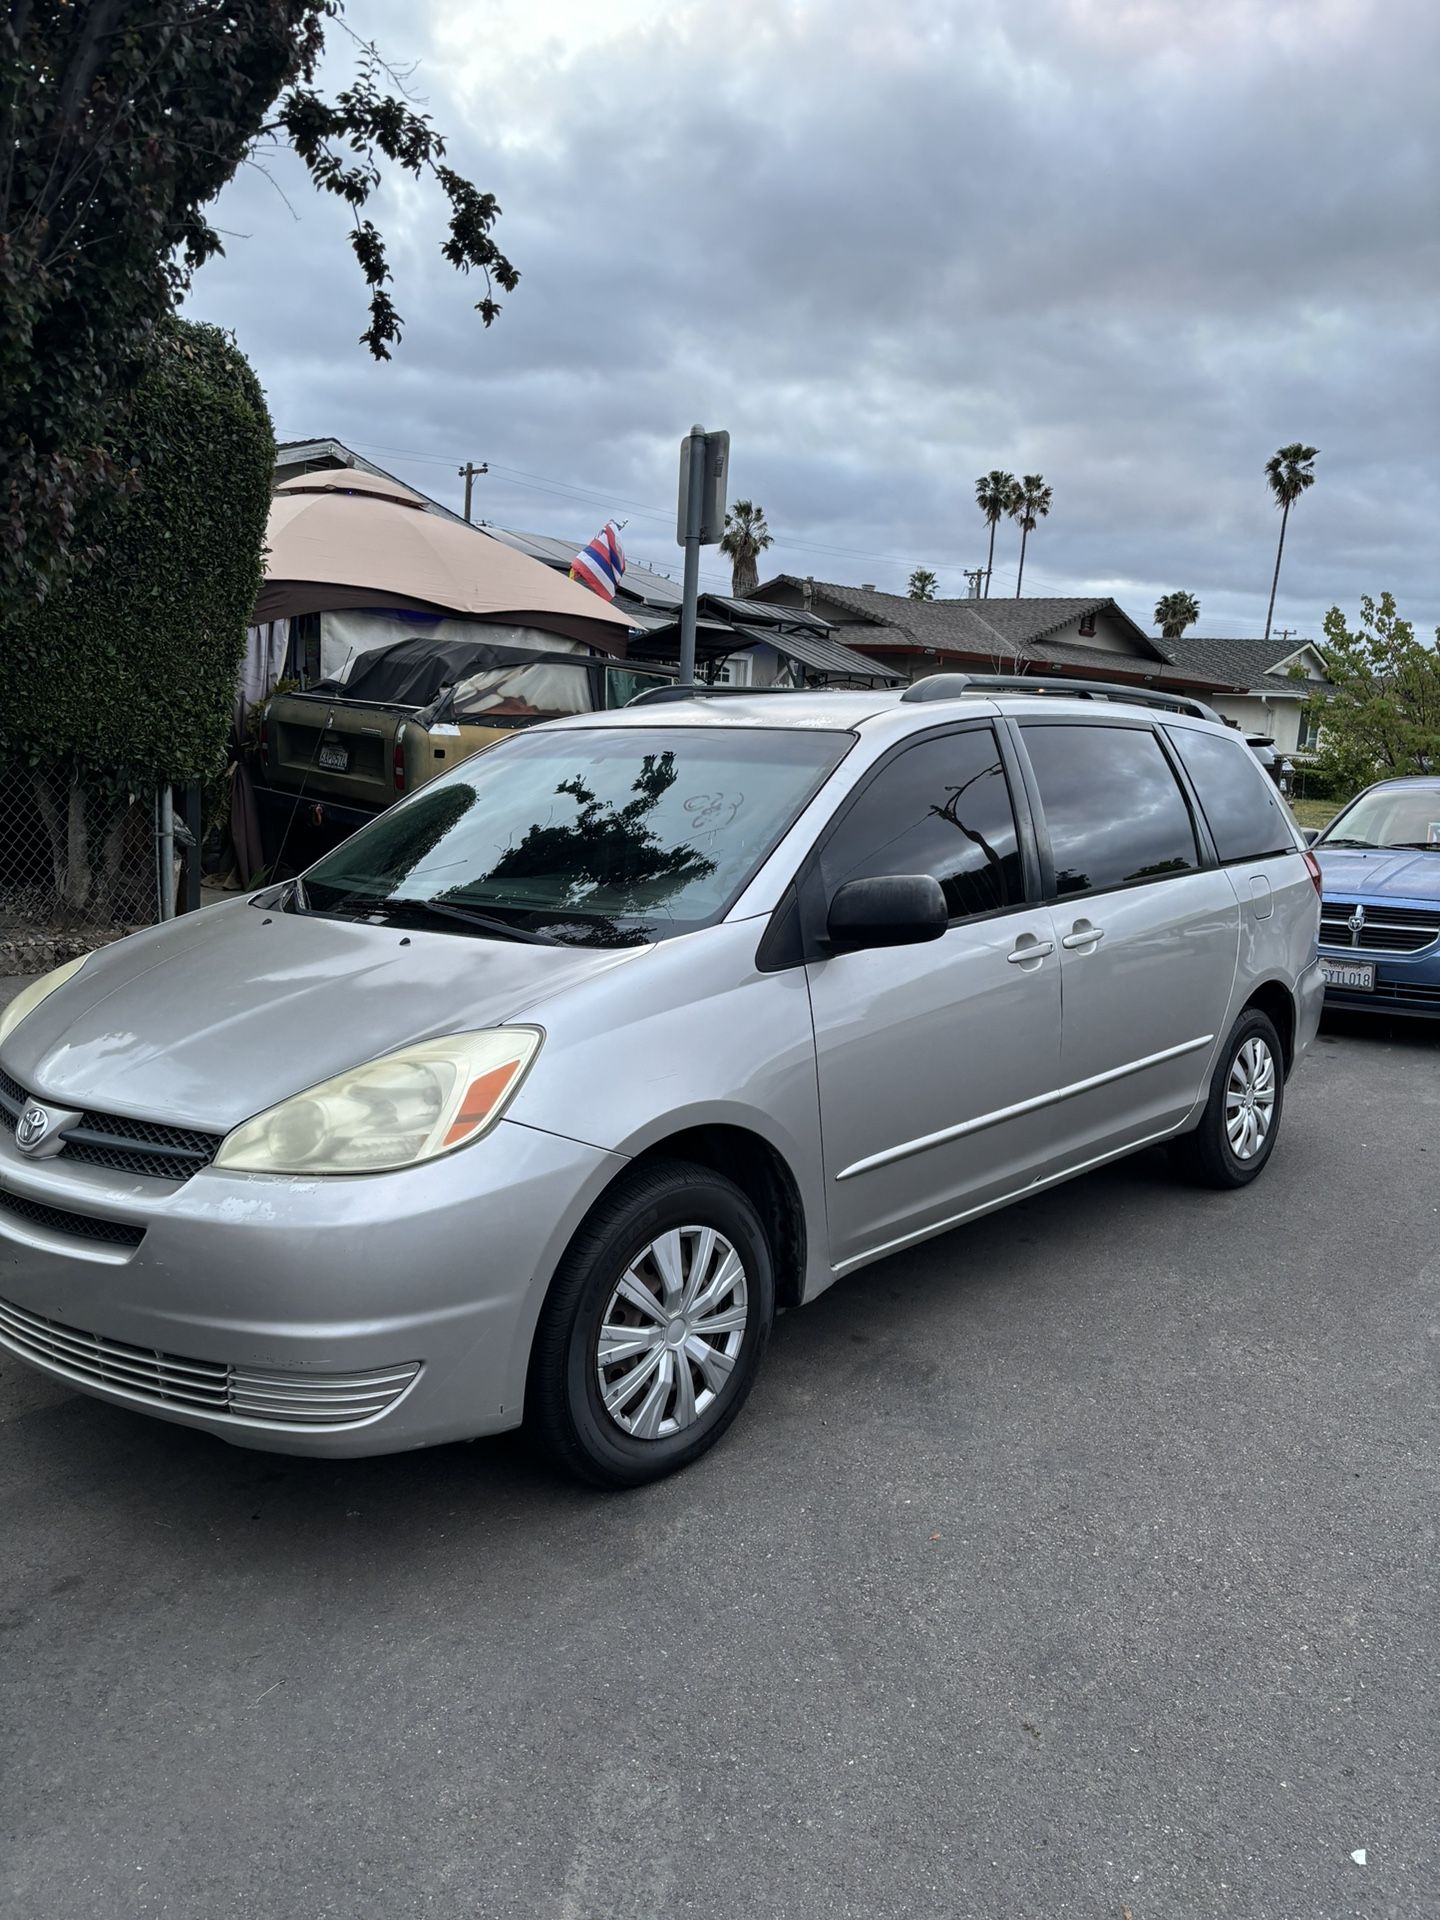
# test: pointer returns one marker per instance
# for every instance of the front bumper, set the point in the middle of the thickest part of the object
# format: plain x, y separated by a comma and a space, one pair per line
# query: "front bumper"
1404, 983
330, 1317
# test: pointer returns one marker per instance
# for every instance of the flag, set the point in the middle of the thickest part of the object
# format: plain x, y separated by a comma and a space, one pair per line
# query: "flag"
601, 565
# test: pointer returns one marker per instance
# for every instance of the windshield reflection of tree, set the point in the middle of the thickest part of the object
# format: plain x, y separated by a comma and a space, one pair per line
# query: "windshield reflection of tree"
606, 849
396, 846
992, 879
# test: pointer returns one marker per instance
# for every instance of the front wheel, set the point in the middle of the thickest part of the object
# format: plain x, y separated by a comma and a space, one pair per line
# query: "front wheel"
1237, 1130
655, 1327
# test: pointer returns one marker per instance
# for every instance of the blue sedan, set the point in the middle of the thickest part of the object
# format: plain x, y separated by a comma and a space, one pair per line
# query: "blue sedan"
1380, 910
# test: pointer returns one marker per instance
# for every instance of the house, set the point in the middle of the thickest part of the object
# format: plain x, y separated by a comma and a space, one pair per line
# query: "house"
1276, 681
1070, 638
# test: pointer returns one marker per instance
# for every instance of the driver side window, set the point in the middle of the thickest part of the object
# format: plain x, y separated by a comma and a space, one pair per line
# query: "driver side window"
941, 807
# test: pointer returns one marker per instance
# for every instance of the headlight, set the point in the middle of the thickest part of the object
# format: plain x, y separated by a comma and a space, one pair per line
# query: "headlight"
392, 1112
38, 990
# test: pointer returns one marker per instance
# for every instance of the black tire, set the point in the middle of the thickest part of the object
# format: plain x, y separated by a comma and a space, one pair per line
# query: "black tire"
565, 1409
1206, 1155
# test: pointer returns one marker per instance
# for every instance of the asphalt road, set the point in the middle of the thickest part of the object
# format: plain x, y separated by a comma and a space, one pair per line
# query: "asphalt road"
1083, 1563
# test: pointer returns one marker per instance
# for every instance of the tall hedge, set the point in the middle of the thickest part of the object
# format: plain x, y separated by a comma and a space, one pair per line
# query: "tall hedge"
128, 674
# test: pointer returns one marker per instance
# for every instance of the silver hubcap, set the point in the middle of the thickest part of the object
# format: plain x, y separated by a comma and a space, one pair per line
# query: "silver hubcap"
672, 1332
1250, 1099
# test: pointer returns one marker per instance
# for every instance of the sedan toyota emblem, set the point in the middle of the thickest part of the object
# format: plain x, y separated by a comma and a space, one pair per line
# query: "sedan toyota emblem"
1356, 922
31, 1129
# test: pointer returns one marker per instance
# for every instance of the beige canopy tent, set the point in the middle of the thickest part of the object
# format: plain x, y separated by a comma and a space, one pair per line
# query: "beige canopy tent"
351, 539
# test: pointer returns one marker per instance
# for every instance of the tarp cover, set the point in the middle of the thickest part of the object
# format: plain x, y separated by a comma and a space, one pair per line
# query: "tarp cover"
348, 638
412, 672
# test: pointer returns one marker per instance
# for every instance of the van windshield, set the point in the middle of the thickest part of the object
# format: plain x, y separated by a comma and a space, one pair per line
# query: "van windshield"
584, 837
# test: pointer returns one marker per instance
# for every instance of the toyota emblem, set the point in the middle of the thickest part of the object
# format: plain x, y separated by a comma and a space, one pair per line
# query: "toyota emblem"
31, 1129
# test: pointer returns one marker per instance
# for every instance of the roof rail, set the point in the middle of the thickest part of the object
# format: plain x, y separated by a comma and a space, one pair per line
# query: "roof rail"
658, 696
950, 686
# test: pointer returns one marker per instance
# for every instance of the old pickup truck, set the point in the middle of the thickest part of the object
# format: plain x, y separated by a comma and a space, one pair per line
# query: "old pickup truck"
331, 757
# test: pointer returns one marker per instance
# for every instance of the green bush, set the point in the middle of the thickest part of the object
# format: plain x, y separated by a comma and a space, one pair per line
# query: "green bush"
128, 674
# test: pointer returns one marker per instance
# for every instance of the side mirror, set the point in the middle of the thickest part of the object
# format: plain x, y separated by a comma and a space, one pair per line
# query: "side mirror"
892, 910
1312, 834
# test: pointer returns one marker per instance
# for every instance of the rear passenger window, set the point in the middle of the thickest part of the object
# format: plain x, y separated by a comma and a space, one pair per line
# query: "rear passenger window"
1112, 804
941, 807
1238, 799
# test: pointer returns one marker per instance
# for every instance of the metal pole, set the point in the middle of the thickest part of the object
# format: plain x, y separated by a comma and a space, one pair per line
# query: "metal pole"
192, 851
694, 508
166, 839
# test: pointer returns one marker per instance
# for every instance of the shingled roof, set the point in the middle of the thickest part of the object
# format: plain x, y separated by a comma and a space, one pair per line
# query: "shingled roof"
1242, 663
999, 632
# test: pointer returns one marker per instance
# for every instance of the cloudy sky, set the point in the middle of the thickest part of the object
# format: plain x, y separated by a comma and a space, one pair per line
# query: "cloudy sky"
1134, 245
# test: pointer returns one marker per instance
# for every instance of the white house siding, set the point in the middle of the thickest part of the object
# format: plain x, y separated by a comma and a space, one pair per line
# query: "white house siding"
1278, 719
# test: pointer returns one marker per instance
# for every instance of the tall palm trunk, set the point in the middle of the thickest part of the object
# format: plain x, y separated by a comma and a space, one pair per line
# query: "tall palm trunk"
990, 561
1024, 536
1270, 615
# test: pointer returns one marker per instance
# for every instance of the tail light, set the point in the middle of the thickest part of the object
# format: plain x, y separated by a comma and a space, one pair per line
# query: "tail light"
397, 762
1313, 868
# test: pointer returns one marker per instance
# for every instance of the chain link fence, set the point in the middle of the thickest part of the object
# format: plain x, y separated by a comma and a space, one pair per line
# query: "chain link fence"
78, 866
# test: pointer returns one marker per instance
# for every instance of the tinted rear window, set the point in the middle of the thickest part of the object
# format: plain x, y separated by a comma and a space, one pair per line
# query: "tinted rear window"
1113, 807
1239, 801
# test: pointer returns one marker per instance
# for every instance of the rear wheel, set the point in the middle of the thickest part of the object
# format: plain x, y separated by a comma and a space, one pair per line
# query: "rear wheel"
1237, 1130
655, 1327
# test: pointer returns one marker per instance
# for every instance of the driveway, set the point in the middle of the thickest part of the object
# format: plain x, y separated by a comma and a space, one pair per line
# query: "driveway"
1082, 1563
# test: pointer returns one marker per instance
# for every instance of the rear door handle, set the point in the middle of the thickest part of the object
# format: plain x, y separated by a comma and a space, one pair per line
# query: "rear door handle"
1028, 951
1083, 936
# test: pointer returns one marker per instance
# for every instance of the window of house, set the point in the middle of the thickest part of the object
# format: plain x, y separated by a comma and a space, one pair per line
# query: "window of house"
1113, 807
733, 671
941, 807
1244, 813
1309, 738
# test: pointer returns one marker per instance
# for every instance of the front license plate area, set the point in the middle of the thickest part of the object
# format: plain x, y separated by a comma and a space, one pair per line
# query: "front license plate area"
1357, 976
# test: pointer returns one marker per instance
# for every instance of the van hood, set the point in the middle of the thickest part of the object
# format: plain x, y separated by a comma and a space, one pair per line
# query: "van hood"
214, 1017
1397, 873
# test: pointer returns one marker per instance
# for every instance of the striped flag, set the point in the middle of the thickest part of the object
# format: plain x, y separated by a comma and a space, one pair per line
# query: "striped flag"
601, 565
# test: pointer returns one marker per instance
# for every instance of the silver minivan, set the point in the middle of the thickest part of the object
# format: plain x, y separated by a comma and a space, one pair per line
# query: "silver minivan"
535, 1099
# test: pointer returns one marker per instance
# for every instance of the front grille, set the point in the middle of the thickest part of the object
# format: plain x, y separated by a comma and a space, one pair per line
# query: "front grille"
123, 1145
244, 1396
1403, 992
1387, 929
78, 1226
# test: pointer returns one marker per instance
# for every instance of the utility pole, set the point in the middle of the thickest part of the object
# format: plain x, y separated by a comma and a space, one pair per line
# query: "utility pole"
468, 473
1285, 633
699, 522
974, 575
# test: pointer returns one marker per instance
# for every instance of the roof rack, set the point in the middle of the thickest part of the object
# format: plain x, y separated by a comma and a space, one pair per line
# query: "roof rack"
950, 686
658, 696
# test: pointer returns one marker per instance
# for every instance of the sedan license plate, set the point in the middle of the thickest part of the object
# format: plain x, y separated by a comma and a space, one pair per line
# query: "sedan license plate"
334, 757
1357, 975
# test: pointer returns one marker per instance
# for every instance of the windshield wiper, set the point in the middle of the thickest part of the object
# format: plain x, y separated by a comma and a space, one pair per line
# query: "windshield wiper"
471, 917
1417, 846
1369, 845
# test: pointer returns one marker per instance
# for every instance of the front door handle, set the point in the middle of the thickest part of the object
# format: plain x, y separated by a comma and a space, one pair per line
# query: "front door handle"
1028, 951
1085, 937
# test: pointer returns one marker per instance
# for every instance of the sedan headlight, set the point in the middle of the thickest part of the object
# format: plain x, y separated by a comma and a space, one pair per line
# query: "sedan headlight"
38, 990
392, 1112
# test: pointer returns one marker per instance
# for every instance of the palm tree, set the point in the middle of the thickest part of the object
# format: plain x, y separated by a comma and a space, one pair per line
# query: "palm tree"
922, 584
746, 538
1289, 472
993, 494
1174, 612
1028, 503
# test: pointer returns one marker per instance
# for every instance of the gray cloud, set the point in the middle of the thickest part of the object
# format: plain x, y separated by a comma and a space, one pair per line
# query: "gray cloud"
1131, 244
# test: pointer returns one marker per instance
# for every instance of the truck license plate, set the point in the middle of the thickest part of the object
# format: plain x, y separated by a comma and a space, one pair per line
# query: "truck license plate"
1357, 975
334, 758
